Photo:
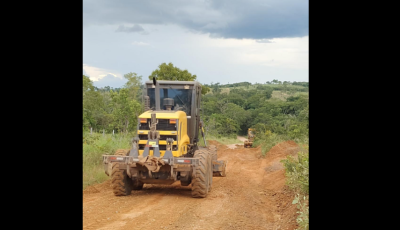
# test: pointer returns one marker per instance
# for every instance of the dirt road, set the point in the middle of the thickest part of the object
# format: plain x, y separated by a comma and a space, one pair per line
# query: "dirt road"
253, 195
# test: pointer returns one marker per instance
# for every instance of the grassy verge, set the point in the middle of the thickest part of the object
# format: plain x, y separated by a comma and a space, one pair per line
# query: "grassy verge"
93, 147
297, 178
221, 139
267, 141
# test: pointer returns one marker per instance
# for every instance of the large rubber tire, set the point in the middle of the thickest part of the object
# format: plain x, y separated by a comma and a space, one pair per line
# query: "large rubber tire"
200, 184
137, 185
122, 185
213, 155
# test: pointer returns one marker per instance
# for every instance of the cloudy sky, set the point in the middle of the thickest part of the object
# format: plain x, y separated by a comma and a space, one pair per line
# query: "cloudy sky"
223, 41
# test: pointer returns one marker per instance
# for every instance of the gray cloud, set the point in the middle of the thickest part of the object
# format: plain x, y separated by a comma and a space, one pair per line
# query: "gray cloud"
255, 19
134, 28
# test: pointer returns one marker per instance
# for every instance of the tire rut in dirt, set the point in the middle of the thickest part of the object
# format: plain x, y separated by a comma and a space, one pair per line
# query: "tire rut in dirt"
122, 185
200, 184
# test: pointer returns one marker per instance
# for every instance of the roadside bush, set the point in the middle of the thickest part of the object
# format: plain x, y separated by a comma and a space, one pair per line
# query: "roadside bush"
297, 172
303, 211
93, 147
297, 178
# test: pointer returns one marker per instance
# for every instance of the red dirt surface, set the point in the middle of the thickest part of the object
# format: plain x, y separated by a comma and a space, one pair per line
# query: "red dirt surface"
253, 195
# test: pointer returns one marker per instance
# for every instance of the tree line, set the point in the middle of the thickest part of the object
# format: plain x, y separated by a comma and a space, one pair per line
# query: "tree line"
227, 110
233, 112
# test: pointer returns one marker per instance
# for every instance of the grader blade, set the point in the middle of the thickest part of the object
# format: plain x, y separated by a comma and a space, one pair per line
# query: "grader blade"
219, 168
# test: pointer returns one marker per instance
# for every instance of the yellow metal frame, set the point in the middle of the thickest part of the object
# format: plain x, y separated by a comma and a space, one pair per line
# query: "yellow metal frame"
183, 139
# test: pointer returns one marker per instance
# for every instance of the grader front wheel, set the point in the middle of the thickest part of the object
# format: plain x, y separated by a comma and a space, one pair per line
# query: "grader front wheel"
201, 182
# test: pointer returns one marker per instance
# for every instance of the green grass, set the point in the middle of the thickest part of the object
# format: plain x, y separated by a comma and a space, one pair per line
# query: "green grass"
225, 90
93, 147
303, 211
297, 178
280, 95
222, 140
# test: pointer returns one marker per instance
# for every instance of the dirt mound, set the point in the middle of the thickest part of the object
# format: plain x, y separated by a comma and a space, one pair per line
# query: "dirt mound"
283, 149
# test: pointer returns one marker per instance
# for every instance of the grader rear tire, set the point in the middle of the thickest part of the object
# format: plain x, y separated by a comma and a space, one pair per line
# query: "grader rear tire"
201, 182
122, 185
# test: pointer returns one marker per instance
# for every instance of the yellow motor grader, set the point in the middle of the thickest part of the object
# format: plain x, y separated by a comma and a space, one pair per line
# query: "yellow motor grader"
250, 138
165, 148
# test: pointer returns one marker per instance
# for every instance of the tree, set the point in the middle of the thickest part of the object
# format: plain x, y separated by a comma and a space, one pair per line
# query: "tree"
221, 124
268, 92
216, 88
205, 89
238, 114
285, 86
236, 99
171, 73
91, 103
125, 111
133, 85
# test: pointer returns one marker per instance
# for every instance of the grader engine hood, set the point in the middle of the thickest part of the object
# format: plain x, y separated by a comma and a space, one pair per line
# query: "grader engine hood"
170, 126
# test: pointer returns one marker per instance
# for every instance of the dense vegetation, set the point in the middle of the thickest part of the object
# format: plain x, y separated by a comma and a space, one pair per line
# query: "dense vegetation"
277, 111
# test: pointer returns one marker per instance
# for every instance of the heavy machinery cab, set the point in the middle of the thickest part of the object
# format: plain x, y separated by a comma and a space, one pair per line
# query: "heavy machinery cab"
250, 134
177, 108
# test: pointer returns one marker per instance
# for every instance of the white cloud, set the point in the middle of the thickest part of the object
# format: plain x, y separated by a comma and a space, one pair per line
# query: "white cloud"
279, 52
95, 74
140, 43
